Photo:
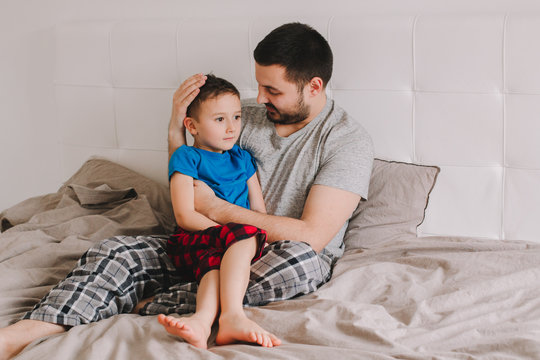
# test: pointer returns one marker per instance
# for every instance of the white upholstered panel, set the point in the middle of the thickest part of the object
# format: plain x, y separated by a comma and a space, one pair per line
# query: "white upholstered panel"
143, 54
460, 91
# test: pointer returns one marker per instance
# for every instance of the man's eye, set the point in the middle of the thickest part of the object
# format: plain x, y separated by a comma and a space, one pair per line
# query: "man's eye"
238, 117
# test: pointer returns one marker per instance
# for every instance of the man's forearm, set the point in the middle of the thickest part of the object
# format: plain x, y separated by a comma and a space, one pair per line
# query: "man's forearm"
176, 138
277, 227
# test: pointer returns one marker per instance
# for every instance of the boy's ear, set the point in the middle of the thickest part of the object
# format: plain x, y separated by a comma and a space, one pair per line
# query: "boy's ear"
189, 123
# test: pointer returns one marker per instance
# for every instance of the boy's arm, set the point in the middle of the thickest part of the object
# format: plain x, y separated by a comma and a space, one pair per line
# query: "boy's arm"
325, 211
256, 200
182, 197
183, 96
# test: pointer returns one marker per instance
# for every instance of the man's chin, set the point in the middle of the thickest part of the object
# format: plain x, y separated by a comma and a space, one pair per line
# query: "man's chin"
287, 121
275, 119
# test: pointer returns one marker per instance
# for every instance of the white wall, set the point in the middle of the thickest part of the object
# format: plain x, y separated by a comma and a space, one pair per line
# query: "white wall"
29, 152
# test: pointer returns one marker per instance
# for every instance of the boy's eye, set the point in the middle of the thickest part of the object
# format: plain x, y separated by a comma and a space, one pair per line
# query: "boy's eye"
219, 119
238, 117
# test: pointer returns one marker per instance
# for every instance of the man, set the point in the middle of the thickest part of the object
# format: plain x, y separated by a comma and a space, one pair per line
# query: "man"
314, 167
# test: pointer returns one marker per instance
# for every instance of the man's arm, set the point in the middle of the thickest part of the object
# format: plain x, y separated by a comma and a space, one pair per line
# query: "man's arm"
325, 211
182, 97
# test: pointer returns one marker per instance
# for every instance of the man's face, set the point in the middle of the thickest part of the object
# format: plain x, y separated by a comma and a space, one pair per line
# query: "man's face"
284, 103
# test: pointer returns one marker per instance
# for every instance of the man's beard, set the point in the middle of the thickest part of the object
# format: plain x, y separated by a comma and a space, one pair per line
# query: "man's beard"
299, 114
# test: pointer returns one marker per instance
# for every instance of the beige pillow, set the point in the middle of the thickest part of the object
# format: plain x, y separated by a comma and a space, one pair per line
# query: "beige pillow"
397, 199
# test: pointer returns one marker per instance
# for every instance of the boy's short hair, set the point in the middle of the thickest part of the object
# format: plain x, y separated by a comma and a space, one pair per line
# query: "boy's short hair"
212, 88
300, 49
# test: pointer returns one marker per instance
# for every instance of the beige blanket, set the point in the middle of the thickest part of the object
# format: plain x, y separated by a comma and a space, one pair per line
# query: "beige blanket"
411, 298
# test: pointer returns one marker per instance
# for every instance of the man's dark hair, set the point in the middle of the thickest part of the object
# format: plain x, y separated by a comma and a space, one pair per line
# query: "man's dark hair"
300, 49
212, 88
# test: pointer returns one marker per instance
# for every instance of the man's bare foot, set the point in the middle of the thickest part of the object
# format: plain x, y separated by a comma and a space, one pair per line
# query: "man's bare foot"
237, 327
192, 329
14, 338
7, 350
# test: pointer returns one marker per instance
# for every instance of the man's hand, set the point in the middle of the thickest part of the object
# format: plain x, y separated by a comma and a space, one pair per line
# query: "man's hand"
182, 97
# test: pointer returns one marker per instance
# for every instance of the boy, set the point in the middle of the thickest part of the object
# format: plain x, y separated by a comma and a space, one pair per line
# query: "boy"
217, 257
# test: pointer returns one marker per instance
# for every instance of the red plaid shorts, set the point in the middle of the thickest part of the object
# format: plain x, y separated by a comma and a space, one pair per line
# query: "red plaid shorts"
194, 253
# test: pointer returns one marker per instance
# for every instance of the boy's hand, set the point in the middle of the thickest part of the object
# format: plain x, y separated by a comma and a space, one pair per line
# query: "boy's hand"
182, 97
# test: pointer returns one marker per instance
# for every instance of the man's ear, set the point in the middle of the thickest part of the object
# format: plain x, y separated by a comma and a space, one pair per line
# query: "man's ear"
315, 86
189, 123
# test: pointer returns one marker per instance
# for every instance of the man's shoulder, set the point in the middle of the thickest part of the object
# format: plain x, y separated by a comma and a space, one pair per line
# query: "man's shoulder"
345, 126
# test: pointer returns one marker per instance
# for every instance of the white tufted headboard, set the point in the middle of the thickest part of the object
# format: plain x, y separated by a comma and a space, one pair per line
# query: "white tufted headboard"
458, 91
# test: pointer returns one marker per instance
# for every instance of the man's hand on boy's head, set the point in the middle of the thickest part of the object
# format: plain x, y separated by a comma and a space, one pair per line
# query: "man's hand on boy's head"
183, 96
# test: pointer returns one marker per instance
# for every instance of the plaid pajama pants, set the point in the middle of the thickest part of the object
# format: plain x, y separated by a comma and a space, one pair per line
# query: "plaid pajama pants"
116, 273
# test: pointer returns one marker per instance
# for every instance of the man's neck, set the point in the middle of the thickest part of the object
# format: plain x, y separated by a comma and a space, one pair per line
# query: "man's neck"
285, 130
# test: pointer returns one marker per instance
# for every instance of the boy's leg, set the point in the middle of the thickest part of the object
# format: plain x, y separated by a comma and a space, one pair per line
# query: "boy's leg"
196, 328
234, 276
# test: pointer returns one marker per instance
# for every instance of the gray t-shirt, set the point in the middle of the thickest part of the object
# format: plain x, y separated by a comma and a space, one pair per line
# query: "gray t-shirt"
332, 150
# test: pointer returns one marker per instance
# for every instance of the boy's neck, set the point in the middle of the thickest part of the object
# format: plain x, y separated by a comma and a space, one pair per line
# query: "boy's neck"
198, 146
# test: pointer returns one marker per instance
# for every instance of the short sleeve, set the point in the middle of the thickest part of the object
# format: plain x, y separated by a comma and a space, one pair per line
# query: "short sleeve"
247, 160
251, 165
184, 160
347, 161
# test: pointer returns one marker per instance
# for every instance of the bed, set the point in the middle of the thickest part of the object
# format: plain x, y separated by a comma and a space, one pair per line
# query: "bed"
441, 262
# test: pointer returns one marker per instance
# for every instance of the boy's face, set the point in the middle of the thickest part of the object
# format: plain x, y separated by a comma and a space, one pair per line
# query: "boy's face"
216, 126
284, 104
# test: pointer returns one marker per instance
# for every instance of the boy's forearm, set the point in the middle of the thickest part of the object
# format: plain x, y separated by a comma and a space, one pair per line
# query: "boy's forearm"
194, 221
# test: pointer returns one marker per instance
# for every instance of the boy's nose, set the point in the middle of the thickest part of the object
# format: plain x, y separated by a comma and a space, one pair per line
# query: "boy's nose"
231, 126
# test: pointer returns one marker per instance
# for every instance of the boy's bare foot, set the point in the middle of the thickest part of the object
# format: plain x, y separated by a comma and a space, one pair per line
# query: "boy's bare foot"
237, 327
192, 329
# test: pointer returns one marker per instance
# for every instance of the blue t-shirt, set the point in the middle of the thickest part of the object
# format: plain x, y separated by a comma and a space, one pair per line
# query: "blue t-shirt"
226, 173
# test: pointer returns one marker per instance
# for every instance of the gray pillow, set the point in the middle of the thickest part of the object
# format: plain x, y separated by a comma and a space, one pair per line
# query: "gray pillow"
397, 199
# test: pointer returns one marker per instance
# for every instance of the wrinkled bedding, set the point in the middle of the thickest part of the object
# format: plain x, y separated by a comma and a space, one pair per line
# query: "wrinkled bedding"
409, 298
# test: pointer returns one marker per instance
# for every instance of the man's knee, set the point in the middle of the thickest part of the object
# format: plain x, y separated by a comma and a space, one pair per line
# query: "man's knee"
297, 248
287, 269
292, 254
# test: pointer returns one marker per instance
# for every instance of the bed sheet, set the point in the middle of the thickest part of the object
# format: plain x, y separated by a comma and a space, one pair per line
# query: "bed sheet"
409, 298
